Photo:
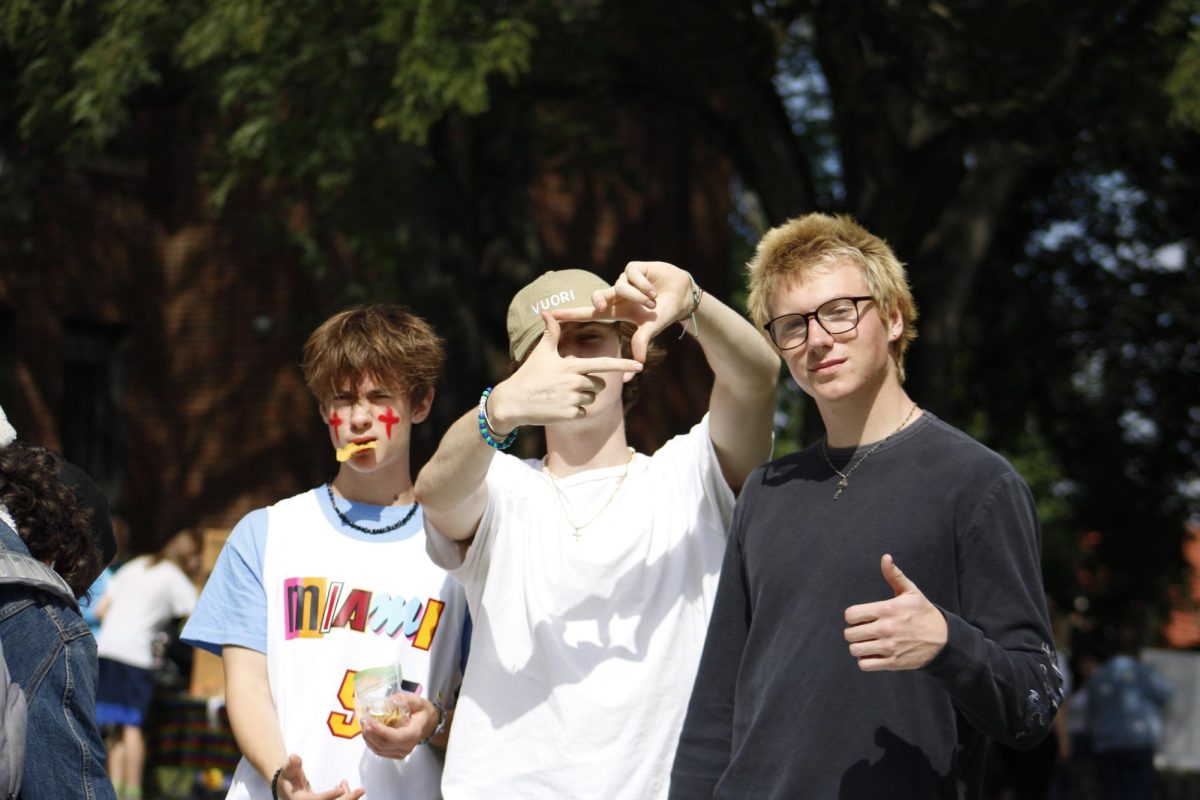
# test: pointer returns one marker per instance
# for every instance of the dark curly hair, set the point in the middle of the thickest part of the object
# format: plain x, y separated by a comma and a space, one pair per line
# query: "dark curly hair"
55, 527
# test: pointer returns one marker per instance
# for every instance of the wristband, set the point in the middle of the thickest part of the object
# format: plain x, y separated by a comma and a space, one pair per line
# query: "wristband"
275, 784
441, 726
697, 293
485, 427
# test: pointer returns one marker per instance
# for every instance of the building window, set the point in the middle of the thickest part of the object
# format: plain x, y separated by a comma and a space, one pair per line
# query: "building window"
91, 424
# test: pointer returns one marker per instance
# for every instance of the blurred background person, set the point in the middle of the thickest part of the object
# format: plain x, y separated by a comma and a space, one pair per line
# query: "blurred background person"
1124, 702
1076, 774
88, 603
145, 597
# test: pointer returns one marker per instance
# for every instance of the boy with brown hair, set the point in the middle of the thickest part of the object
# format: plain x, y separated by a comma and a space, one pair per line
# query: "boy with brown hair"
316, 588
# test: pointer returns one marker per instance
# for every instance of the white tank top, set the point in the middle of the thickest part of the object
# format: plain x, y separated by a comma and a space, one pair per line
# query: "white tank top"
336, 605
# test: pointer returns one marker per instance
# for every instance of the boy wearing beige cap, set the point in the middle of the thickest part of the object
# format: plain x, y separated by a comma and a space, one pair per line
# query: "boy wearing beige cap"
590, 573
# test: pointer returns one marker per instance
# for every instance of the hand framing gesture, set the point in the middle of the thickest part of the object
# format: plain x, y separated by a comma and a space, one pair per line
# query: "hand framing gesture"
550, 388
651, 294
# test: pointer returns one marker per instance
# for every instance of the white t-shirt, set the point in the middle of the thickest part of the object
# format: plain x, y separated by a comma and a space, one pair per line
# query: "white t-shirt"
324, 601
583, 652
145, 597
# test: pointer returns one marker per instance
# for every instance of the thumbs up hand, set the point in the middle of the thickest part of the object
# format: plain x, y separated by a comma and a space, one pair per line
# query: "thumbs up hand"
905, 632
549, 388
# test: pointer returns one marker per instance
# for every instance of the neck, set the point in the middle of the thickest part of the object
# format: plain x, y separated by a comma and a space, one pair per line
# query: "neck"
571, 449
390, 486
856, 421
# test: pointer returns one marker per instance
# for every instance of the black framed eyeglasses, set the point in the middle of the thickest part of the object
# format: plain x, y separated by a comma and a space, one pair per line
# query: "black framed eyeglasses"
839, 315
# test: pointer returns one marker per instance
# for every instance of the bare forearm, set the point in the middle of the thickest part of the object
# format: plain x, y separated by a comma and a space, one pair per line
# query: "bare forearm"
452, 485
742, 360
251, 709
742, 404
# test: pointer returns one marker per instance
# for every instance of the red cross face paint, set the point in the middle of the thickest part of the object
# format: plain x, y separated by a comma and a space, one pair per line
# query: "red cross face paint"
369, 426
389, 419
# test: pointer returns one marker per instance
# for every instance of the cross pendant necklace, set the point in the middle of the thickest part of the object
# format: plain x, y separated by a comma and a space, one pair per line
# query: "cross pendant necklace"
845, 476
562, 500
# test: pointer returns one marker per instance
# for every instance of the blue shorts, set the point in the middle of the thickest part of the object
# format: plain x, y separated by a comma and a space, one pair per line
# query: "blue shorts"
123, 693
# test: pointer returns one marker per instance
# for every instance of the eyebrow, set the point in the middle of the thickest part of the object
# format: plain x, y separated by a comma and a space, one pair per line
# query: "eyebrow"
818, 305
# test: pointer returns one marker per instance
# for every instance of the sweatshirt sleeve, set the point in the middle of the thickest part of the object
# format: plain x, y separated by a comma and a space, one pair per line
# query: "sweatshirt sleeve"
999, 664
706, 741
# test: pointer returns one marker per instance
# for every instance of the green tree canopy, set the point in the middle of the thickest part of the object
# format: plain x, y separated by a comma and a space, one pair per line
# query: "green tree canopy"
1033, 162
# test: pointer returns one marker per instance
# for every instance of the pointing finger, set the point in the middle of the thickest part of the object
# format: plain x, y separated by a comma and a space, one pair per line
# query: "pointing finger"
588, 366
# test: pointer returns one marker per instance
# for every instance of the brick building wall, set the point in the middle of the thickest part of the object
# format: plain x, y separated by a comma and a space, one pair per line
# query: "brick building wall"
156, 344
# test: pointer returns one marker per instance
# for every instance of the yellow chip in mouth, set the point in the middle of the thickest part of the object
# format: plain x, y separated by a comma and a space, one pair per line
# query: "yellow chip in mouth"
344, 453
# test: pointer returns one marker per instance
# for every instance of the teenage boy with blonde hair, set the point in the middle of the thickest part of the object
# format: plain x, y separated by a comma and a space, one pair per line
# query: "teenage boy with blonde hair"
828, 672
318, 587
590, 572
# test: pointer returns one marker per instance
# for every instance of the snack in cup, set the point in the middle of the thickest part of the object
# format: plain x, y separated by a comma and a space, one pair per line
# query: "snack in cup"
376, 695
345, 453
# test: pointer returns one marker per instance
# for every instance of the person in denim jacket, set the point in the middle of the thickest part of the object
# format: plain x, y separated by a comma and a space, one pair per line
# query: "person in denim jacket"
51, 655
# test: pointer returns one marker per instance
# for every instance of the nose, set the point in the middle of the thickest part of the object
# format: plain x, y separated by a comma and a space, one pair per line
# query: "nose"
360, 414
817, 335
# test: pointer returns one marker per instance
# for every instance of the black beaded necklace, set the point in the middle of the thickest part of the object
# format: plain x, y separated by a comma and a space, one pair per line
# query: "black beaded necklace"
372, 531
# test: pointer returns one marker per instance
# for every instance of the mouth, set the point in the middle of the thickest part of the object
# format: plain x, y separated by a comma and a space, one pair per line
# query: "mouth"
827, 366
348, 452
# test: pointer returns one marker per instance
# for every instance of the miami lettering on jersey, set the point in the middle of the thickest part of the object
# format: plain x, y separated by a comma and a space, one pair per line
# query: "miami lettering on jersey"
315, 606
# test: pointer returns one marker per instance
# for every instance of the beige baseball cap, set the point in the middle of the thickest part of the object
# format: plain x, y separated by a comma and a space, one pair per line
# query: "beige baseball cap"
564, 288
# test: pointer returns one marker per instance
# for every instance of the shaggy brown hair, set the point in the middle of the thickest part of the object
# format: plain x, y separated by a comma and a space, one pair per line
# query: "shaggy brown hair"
389, 344
51, 522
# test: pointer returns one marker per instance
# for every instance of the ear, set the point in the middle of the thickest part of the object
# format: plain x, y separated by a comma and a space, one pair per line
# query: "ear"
895, 324
421, 410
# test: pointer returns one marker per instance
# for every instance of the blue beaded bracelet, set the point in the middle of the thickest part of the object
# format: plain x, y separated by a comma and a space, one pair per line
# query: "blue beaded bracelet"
485, 428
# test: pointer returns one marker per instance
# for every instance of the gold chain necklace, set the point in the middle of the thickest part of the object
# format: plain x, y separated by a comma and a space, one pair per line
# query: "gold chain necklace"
845, 476
562, 498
